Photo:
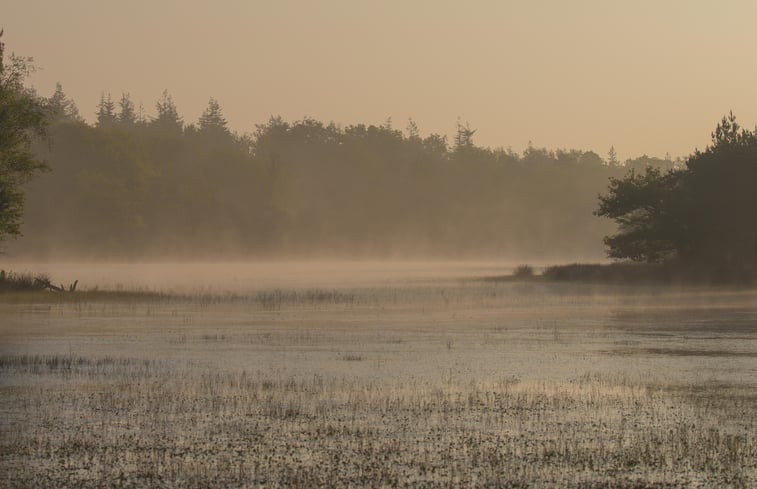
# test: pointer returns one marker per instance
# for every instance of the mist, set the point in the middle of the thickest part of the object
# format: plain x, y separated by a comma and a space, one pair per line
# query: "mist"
390, 244
129, 187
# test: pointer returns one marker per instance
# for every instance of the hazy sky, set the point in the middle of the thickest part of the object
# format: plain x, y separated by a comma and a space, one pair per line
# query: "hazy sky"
646, 76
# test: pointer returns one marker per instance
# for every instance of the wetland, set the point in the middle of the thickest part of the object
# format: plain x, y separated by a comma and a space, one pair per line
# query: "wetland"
374, 374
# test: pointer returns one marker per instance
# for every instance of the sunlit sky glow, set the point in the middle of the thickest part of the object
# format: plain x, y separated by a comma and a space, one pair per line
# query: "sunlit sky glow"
645, 76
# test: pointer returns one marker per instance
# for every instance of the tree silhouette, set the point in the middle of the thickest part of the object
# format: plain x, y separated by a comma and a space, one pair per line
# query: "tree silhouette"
22, 115
702, 213
61, 108
126, 113
106, 111
212, 119
168, 115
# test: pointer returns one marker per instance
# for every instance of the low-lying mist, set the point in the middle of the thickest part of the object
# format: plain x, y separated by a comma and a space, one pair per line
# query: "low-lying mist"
157, 190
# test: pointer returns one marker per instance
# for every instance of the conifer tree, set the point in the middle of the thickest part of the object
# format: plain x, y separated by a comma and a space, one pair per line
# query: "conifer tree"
168, 116
106, 111
126, 114
61, 108
212, 119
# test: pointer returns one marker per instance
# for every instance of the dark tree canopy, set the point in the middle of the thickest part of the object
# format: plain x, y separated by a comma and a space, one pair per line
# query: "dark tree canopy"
212, 119
701, 213
168, 116
106, 111
62, 108
139, 186
22, 115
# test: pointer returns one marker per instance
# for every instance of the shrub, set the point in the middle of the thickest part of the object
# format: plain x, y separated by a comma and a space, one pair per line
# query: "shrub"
523, 271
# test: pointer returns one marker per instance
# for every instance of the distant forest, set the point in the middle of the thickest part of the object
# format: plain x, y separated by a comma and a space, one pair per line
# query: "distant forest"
132, 186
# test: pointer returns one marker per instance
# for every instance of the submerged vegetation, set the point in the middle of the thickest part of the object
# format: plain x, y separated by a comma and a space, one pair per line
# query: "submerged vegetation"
541, 385
242, 429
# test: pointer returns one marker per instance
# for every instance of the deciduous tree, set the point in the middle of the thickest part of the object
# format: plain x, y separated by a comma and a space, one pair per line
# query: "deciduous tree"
22, 117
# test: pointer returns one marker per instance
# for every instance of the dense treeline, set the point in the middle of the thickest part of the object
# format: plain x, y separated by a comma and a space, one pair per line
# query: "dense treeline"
131, 186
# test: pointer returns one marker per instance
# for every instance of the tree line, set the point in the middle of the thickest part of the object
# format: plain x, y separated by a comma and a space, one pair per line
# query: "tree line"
131, 185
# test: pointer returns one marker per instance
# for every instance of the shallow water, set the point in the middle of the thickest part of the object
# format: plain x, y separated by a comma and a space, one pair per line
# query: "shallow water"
332, 345
400, 319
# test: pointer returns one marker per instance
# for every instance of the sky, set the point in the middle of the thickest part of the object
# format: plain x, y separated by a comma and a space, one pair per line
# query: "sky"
647, 77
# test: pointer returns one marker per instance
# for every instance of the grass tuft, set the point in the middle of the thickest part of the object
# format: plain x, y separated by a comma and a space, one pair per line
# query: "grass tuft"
22, 282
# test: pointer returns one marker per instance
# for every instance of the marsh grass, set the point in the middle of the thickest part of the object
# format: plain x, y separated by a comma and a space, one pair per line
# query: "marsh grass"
673, 272
21, 282
269, 300
199, 428
455, 384
84, 296
352, 357
73, 364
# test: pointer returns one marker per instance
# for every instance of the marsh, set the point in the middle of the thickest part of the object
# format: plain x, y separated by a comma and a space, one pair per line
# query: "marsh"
377, 374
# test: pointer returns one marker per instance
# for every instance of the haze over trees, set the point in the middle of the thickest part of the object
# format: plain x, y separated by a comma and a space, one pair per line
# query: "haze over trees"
701, 214
130, 185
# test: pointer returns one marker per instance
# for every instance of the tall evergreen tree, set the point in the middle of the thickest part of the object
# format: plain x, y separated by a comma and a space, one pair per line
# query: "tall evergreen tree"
61, 108
412, 129
212, 119
612, 157
126, 114
168, 117
464, 136
106, 111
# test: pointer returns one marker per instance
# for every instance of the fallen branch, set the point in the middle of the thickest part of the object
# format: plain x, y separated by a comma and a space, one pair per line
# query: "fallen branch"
46, 284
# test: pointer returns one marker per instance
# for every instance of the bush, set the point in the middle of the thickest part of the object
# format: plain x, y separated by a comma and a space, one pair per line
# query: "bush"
523, 271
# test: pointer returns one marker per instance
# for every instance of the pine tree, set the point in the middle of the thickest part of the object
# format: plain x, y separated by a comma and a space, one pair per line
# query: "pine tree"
106, 111
126, 114
212, 119
168, 116
612, 157
464, 136
412, 129
61, 108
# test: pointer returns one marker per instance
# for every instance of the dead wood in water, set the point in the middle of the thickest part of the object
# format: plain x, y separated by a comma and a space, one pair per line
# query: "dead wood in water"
47, 284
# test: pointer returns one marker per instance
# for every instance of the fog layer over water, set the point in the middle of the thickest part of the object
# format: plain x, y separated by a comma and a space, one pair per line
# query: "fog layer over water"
250, 276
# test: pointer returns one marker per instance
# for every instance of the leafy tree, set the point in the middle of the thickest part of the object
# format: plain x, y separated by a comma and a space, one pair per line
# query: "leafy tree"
307, 187
702, 213
22, 115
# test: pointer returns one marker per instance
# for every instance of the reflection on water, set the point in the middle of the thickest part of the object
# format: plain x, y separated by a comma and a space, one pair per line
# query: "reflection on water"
394, 320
